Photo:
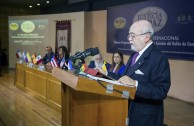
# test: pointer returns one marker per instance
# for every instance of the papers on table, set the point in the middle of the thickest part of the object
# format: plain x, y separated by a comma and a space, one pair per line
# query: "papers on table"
105, 80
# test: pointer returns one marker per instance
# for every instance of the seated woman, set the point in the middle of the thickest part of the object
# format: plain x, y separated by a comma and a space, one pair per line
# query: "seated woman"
63, 57
118, 65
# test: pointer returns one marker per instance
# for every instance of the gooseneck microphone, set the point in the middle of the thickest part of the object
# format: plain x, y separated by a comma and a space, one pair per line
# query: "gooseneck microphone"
83, 55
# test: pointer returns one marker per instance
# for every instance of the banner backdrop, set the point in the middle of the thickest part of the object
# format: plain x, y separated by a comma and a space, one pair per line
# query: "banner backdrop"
173, 23
63, 34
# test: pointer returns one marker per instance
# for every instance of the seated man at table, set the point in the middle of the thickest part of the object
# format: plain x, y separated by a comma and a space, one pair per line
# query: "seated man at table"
99, 63
48, 56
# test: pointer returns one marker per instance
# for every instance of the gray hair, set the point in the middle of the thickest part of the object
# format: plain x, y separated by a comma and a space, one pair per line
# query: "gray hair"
144, 25
97, 55
147, 27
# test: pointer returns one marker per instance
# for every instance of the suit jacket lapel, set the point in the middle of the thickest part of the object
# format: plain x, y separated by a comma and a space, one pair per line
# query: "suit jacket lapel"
130, 70
135, 66
128, 64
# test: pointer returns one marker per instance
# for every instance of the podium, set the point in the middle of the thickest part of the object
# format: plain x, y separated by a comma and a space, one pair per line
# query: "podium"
86, 102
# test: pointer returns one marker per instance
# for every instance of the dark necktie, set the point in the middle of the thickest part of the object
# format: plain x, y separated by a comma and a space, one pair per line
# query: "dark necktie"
134, 58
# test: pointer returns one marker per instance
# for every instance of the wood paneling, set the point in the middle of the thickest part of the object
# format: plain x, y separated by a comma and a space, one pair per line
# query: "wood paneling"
86, 102
54, 92
20, 79
90, 109
81, 83
18, 108
36, 83
40, 84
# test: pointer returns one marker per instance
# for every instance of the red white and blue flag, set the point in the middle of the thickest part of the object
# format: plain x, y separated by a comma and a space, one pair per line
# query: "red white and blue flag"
18, 54
54, 62
62, 62
70, 65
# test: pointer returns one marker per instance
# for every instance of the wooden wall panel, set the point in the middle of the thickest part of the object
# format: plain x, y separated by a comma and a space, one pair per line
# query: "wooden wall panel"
54, 92
39, 84
36, 84
20, 78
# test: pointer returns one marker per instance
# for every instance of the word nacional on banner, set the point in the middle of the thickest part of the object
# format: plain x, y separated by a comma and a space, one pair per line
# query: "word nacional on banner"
172, 24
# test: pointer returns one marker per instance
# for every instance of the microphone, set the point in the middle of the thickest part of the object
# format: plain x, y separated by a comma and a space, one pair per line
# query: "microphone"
83, 55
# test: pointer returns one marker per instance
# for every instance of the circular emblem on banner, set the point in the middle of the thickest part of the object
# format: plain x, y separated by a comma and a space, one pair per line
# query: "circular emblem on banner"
155, 15
27, 26
119, 22
13, 26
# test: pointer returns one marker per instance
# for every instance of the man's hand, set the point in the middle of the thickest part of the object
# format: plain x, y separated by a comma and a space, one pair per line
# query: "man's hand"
101, 71
49, 67
48, 64
127, 80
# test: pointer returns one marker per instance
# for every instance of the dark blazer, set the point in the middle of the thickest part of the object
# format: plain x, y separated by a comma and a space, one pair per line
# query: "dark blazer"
153, 86
92, 65
47, 58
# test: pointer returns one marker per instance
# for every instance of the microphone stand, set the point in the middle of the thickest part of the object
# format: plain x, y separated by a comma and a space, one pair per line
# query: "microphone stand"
77, 68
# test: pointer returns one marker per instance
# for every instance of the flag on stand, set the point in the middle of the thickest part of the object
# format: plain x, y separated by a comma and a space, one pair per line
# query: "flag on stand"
18, 54
28, 58
24, 56
104, 67
54, 62
33, 57
83, 67
70, 65
62, 62
38, 59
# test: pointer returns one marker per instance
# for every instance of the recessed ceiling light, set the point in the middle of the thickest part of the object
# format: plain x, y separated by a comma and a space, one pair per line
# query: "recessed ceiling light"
47, 1
38, 4
30, 6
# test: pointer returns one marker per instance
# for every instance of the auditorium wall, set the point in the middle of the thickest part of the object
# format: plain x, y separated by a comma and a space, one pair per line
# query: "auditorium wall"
4, 12
89, 30
182, 71
77, 37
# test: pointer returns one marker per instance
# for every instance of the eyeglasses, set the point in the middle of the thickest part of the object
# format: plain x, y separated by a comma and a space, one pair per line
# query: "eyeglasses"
98, 58
133, 35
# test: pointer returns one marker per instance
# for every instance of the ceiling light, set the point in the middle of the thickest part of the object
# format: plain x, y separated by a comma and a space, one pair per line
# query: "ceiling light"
30, 6
38, 4
47, 1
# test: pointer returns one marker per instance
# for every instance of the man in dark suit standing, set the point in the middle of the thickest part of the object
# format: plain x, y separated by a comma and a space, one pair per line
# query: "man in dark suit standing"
148, 70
